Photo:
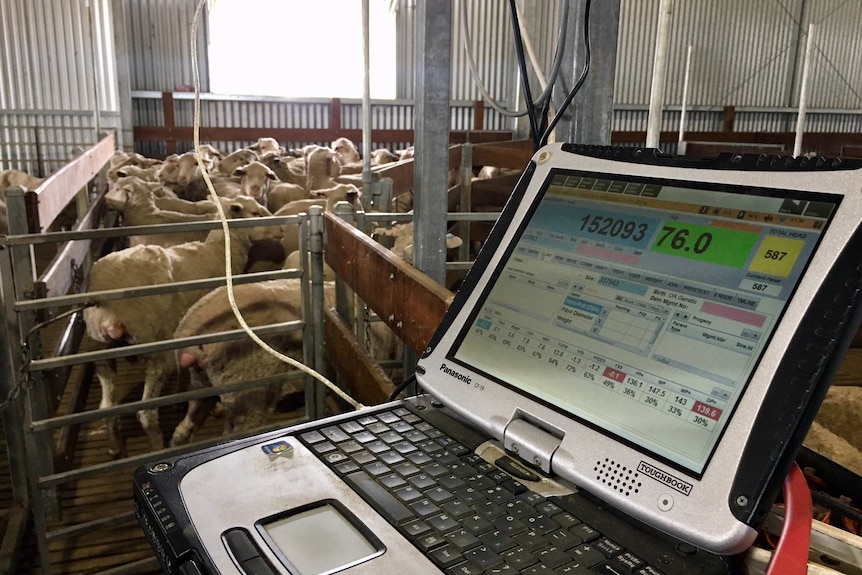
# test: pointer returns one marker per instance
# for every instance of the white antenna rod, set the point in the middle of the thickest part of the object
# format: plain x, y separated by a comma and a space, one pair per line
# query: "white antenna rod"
656, 96
684, 95
803, 93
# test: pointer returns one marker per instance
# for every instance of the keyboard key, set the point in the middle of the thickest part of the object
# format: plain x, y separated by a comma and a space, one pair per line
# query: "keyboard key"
483, 557
586, 555
405, 469
585, 532
434, 469
351, 427
608, 547
442, 523
376, 468
462, 539
432, 433
425, 508
350, 447
364, 437
538, 569
422, 481
388, 417
519, 508
415, 436
430, 447
649, 570
423, 426
438, 495
497, 541
514, 487
519, 557
402, 427
334, 457
430, 541
566, 519
451, 482
408, 494
323, 447
390, 437
469, 495
573, 569
419, 458
446, 556
458, 449
312, 437
392, 481
464, 569
627, 562
476, 524
509, 525
401, 411
378, 427
346, 467
533, 498
531, 541
500, 496
461, 469
479, 481
444, 441
366, 420
334, 434
502, 569
542, 524
376, 447
457, 508
413, 529
383, 501
553, 556
563, 539
548, 508
363, 457
488, 510
412, 418
390, 458
403, 447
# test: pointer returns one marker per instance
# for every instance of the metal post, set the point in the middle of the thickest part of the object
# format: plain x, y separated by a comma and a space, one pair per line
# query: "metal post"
124, 82
684, 95
803, 92
589, 118
366, 99
343, 294
433, 79
466, 201
656, 96
316, 407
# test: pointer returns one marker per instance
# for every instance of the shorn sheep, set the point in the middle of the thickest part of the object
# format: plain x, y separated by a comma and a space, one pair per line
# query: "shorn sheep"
154, 318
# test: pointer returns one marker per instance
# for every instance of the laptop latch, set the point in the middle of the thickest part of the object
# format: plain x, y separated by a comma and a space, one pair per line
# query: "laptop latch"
531, 443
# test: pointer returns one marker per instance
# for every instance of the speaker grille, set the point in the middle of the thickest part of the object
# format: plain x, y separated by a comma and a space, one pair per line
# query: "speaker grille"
618, 477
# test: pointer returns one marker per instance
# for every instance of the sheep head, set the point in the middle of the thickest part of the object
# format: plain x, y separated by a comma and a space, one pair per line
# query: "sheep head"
255, 180
345, 151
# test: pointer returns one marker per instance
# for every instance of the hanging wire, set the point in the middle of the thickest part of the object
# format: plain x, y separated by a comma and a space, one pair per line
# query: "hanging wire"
525, 78
555, 67
579, 83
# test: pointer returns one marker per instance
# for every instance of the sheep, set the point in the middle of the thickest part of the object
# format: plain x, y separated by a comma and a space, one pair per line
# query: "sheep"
183, 175
322, 167
210, 155
12, 178
324, 198
223, 363
282, 194
345, 151
235, 160
382, 156
144, 207
266, 145
255, 180
403, 234
154, 318
407, 153
288, 169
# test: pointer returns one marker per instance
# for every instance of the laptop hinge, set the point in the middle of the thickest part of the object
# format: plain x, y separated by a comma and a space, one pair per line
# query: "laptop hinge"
531, 443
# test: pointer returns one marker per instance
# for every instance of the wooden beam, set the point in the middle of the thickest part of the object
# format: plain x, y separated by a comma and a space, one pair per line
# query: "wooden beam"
410, 302
479, 115
335, 114
13, 537
170, 121
729, 119
49, 199
366, 380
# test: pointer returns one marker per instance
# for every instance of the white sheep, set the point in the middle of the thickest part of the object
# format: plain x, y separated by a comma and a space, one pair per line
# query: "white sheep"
345, 151
235, 160
255, 179
281, 194
12, 178
265, 146
382, 156
322, 167
324, 198
154, 318
288, 169
223, 363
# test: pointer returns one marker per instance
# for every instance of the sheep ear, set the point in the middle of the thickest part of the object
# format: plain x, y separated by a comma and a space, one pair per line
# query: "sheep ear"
352, 196
122, 173
235, 208
271, 175
317, 194
239, 172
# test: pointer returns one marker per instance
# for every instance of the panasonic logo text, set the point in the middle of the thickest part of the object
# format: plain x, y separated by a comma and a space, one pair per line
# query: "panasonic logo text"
449, 371
674, 483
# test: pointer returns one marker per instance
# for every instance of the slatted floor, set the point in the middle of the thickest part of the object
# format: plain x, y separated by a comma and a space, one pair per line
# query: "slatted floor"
118, 546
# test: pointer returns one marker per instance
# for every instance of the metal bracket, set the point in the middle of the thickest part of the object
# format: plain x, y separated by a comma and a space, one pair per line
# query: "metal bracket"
531, 443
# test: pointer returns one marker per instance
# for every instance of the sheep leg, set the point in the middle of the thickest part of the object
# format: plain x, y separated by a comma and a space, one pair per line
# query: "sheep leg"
112, 424
197, 412
154, 380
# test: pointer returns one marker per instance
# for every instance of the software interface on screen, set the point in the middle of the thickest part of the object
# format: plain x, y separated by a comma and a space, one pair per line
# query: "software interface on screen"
643, 307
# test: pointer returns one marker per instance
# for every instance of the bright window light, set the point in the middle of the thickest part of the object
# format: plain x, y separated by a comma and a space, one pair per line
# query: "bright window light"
300, 48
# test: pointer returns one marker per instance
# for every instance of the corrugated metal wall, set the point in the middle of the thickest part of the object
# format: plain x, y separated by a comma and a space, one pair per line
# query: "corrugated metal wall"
56, 69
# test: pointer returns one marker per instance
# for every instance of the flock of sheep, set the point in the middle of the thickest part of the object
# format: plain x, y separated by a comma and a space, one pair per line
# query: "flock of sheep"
253, 182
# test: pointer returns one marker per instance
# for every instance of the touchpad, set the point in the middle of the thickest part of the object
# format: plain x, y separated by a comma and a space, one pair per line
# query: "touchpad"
322, 537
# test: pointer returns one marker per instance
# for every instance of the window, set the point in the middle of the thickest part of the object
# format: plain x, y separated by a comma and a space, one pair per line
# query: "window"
300, 48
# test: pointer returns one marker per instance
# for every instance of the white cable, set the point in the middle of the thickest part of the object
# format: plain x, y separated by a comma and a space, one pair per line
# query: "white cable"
228, 275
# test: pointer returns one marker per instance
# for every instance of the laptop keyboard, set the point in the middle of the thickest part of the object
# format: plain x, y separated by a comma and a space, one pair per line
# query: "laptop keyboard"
464, 514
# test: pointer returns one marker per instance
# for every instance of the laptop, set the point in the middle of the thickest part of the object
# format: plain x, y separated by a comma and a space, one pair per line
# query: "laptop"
620, 386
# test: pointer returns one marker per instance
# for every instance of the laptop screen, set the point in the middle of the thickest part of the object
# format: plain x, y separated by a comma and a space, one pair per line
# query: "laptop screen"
642, 306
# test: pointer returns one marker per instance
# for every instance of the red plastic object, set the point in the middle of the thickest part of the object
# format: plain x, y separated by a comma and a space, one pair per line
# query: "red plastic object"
791, 554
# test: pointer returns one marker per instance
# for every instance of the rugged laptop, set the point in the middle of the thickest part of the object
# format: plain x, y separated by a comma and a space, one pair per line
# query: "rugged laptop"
620, 386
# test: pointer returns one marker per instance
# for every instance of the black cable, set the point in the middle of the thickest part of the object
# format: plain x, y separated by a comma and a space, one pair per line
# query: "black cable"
402, 386
579, 83
522, 66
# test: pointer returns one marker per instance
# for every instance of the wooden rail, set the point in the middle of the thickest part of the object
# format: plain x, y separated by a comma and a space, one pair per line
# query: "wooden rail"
170, 133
